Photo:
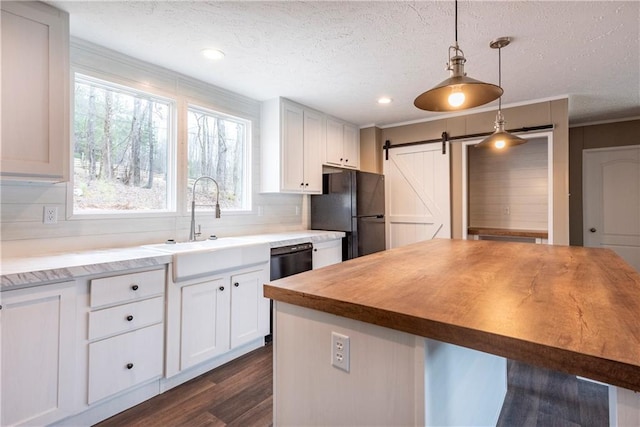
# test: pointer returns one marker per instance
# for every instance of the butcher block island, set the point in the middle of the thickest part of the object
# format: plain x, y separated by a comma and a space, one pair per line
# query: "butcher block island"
419, 335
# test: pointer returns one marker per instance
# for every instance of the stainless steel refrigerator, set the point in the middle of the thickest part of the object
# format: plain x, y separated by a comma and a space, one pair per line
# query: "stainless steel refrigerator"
353, 202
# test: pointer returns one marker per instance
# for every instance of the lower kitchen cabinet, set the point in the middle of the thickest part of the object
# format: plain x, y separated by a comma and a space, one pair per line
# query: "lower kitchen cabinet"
125, 332
212, 316
249, 309
205, 321
327, 253
37, 326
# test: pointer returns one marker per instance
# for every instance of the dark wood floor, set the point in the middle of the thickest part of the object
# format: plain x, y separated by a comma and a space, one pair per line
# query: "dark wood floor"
240, 394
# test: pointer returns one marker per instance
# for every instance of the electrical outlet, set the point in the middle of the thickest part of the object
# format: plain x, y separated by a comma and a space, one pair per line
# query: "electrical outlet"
340, 351
50, 215
507, 210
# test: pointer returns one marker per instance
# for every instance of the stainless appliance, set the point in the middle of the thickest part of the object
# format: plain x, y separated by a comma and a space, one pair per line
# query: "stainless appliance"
286, 261
353, 202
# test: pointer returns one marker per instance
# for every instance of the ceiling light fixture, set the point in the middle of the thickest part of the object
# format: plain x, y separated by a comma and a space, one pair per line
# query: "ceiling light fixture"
458, 92
500, 138
384, 100
214, 54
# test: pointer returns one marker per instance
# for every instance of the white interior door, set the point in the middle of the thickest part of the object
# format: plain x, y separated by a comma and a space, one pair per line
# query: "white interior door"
611, 197
417, 193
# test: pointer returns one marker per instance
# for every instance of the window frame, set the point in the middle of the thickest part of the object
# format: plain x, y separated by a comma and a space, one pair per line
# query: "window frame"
133, 88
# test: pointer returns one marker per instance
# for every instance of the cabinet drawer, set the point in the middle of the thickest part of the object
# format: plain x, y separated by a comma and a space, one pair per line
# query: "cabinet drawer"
126, 317
126, 287
123, 361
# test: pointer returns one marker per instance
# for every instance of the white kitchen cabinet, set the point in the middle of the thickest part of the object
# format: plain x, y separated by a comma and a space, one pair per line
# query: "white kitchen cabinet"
342, 144
327, 253
291, 143
249, 309
204, 322
211, 316
35, 92
125, 332
38, 359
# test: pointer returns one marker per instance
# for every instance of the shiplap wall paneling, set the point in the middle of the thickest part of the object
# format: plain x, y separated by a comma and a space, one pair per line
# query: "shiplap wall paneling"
509, 189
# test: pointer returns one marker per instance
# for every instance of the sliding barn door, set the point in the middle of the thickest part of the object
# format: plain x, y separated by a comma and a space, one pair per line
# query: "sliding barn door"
418, 194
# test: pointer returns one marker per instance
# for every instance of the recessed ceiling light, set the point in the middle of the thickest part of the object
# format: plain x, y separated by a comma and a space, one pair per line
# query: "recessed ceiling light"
214, 54
384, 100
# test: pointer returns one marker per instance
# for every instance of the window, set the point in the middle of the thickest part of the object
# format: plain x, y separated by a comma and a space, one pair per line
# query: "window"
218, 147
123, 149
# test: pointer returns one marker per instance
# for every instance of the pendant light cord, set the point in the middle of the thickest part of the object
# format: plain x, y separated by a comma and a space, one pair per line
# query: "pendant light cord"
456, 18
500, 77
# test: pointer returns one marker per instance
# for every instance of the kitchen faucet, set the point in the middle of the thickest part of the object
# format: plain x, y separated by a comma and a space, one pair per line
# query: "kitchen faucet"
192, 233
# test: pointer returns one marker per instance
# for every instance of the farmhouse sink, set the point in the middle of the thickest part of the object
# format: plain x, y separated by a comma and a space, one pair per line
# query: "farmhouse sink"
203, 258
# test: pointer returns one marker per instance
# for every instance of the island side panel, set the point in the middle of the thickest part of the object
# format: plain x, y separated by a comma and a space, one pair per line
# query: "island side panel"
463, 387
385, 384
624, 407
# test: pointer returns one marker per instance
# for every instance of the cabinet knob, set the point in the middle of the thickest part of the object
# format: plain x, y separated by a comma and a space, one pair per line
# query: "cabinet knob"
341, 158
306, 184
592, 229
346, 160
134, 287
236, 284
129, 365
302, 184
129, 318
315, 250
221, 288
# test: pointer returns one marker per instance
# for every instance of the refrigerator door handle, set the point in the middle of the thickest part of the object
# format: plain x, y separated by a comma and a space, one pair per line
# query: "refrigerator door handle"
379, 216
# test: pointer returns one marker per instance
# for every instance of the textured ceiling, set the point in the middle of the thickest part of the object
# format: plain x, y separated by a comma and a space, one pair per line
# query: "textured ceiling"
339, 57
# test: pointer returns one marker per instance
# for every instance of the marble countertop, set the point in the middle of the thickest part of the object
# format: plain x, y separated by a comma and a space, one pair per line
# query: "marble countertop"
24, 272
566, 308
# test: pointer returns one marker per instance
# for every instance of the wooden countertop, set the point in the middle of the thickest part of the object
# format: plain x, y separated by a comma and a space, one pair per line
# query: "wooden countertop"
486, 231
570, 309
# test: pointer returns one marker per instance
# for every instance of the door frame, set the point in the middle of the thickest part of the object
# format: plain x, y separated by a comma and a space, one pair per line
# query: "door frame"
465, 197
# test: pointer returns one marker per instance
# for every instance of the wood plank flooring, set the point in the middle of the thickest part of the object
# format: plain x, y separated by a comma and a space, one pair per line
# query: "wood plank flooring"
240, 394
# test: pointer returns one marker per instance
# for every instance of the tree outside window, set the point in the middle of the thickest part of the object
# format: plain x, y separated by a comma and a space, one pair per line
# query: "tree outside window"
122, 155
217, 147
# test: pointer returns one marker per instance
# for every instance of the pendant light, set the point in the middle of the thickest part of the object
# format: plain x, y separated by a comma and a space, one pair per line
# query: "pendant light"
458, 92
500, 138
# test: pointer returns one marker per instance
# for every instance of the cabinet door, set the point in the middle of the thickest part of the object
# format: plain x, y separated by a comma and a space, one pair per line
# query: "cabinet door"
123, 361
38, 330
327, 253
312, 152
351, 147
292, 147
249, 308
333, 145
35, 91
205, 321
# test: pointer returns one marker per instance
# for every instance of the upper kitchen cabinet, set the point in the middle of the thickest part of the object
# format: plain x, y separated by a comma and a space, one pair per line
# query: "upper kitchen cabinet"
291, 145
35, 92
342, 146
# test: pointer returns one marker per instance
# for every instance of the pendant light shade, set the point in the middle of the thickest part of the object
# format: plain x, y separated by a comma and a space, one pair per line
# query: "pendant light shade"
500, 138
458, 92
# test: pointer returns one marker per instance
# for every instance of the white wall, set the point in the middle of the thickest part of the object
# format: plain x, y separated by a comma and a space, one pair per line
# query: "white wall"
23, 233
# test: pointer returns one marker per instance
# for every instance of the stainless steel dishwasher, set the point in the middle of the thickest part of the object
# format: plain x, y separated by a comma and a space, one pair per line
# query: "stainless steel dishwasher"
287, 261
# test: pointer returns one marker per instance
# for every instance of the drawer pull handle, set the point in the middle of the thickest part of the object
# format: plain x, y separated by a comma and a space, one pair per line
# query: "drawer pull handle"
129, 318
236, 284
129, 365
134, 287
221, 288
